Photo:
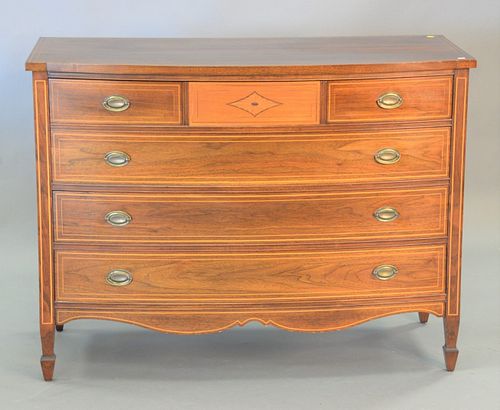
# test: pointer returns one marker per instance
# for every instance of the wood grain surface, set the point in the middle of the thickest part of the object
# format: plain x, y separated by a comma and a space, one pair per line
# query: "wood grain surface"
248, 218
80, 102
323, 319
455, 220
254, 103
44, 208
423, 99
78, 157
81, 276
249, 56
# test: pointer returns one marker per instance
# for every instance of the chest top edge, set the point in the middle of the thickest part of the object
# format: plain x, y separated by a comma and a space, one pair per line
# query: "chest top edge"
247, 56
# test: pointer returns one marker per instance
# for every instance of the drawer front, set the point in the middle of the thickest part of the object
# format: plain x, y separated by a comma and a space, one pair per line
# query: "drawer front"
249, 218
238, 160
347, 273
114, 102
390, 100
254, 103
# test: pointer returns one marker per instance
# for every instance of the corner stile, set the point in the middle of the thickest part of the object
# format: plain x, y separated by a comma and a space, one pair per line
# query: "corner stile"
456, 191
44, 196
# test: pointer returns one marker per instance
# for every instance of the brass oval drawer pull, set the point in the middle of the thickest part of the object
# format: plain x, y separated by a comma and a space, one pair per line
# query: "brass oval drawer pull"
117, 158
116, 103
386, 214
118, 218
119, 277
389, 101
385, 272
387, 156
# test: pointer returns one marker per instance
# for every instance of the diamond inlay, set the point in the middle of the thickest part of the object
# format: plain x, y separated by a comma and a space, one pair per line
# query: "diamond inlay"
254, 104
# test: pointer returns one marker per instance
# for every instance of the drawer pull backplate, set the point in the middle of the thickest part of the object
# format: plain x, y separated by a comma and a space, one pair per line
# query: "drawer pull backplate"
385, 272
389, 101
119, 277
117, 158
386, 214
116, 103
387, 156
118, 218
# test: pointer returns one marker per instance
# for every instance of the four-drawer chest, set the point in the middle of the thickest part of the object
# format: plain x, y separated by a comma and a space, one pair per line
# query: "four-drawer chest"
192, 185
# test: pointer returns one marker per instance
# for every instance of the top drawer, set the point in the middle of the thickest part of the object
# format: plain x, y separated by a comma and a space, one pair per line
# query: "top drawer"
390, 100
254, 103
96, 102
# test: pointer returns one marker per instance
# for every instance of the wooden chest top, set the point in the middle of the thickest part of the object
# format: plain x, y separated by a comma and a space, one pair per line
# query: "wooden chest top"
257, 56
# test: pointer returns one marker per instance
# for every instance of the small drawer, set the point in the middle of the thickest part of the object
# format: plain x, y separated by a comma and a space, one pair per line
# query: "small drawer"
254, 103
231, 218
134, 276
390, 100
114, 102
183, 159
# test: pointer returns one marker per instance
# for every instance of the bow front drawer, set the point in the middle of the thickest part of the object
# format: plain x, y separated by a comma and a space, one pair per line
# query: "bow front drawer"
97, 102
112, 158
136, 276
231, 218
390, 100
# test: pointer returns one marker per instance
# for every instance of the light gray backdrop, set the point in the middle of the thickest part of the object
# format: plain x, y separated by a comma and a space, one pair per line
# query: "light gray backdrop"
390, 363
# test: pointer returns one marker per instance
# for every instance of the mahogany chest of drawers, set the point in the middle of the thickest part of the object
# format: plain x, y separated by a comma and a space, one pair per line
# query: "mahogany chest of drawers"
189, 185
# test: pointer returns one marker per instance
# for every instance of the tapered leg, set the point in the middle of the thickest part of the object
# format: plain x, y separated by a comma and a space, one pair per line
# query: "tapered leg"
450, 350
59, 328
423, 317
48, 359
44, 195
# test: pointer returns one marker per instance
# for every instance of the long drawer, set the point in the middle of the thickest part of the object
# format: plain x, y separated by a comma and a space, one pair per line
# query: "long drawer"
115, 158
113, 276
121, 218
